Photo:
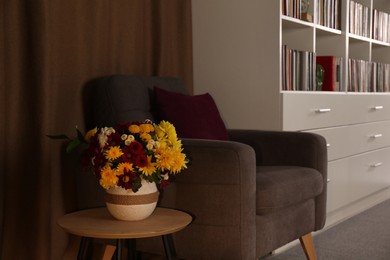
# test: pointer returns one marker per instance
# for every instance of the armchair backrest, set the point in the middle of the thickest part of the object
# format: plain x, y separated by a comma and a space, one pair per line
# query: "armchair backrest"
119, 98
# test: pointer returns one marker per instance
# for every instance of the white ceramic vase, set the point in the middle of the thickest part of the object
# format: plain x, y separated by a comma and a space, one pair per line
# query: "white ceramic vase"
129, 206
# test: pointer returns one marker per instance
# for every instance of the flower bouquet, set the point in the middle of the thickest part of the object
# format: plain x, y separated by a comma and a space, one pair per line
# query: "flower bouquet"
128, 157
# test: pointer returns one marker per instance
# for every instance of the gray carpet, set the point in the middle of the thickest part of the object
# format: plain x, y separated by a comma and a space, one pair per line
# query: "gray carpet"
365, 236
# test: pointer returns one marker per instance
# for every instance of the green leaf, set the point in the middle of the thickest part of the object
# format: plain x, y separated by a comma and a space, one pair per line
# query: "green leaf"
136, 184
73, 145
80, 135
61, 136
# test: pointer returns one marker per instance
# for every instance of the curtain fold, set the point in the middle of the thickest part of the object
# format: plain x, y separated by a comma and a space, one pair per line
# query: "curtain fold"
50, 49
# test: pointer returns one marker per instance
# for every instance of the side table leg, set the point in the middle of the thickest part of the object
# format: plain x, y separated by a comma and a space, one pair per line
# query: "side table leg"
83, 247
119, 249
169, 246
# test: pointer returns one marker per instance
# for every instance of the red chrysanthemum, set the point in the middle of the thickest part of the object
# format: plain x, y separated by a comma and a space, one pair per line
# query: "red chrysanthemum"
127, 154
99, 161
93, 146
136, 148
114, 139
126, 180
164, 183
140, 160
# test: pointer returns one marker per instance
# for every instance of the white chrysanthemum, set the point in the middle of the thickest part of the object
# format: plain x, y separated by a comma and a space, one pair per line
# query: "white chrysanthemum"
150, 145
102, 140
104, 132
109, 130
129, 140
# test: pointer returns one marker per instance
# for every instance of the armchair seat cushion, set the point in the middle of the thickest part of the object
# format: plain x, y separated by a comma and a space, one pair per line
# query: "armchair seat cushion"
281, 186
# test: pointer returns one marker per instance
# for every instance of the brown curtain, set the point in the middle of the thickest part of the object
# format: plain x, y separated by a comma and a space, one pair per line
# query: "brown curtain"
49, 50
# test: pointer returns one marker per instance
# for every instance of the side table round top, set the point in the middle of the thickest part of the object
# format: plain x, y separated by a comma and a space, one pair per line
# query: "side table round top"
98, 223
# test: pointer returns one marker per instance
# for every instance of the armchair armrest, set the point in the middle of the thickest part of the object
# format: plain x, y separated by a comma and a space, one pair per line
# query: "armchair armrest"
285, 148
290, 148
219, 189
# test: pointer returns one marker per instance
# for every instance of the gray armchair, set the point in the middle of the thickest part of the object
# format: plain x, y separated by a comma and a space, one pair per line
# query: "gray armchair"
249, 196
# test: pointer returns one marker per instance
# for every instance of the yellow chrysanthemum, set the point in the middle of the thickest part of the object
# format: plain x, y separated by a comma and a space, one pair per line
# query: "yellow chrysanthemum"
150, 168
124, 167
179, 162
113, 153
134, 129
166, 135
176, 145
89, 134
108, 177
164, 158
166, 130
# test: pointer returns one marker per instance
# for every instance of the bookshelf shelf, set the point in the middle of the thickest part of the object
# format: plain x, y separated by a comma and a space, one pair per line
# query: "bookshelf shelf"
295, 22
380, 43
354, 37
327, 30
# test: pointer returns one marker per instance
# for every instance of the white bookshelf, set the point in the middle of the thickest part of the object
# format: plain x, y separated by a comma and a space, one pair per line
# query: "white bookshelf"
237, 48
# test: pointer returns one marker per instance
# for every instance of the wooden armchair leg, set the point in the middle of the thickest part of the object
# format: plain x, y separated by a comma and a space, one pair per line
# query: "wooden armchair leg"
308, 246
109, 251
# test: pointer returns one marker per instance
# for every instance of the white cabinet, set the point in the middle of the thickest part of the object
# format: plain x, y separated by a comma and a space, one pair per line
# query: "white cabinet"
357, 130
237, 47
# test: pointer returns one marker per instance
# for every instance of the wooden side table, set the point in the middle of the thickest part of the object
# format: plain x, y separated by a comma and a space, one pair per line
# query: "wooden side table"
98, 223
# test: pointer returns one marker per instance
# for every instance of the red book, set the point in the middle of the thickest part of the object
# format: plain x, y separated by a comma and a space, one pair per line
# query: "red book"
331, 65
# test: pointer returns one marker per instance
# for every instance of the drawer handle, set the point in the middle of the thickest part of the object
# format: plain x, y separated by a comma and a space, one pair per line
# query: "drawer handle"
377, 107
376, 164
328, 180
323, 110
327, 145
376, 136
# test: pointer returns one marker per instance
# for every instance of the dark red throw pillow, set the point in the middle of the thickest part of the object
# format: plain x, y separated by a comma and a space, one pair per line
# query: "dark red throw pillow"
193, 116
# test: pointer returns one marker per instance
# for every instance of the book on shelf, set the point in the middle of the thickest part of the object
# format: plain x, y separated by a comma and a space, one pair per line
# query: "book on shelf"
298, 69
368, 76
332, 72
380, 26
328, 13
290, 8
386, 78
299, 9
359, 19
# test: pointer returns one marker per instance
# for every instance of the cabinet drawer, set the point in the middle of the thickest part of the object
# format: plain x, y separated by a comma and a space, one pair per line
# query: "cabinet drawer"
370, 107
313, 110
350, 140
356, 177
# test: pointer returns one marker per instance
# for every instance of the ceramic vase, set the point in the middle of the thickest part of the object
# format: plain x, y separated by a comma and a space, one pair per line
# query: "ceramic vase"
132, 206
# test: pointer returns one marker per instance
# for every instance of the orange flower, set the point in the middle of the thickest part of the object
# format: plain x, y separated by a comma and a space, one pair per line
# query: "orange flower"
134, 129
